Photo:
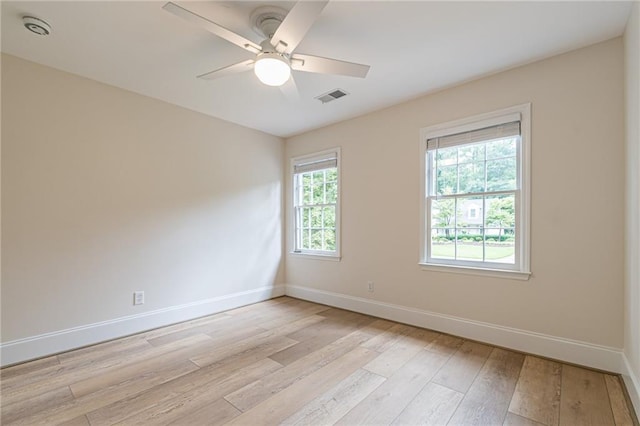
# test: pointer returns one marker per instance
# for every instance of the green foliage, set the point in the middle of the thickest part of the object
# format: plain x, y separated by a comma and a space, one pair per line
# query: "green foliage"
462, 170
501, 212
318, 213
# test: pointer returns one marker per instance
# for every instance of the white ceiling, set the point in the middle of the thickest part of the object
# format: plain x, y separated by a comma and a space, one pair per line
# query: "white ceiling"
413, 48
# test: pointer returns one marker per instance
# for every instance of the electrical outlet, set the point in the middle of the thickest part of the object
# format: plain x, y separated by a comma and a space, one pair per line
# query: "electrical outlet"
370, 286
138, 297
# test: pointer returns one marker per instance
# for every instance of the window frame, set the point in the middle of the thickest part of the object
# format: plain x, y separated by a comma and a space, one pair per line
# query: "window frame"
521, 269
295, 238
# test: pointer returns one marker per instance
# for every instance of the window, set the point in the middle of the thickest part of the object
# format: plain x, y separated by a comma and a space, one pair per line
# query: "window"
316, 200
475, 208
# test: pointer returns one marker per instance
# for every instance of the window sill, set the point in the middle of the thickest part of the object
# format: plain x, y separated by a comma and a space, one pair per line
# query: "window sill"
315, 256
467, 270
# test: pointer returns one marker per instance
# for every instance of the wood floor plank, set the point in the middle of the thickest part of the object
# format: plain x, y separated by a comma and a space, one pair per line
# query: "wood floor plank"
434, 405
29, 367
103, 352
179, 389
292, 316
286, 402
262, 389
385, 403
337, 401
79, 406
40, 402
145, 367
63, 374
497, 378
621, 414
217, 413
165, 410
515, 420
78, 421
446, 344
584, 399
463, 366
204, 328
537, 393
403, 350
266, 338
385, 340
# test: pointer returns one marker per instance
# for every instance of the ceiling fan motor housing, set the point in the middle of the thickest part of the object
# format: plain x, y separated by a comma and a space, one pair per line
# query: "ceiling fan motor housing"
36, 25
267, 19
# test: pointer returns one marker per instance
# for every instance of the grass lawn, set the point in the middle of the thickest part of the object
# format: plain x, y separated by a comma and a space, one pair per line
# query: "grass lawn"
470, 251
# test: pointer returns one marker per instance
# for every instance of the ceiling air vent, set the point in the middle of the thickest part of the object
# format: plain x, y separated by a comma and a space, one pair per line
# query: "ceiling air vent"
331, 96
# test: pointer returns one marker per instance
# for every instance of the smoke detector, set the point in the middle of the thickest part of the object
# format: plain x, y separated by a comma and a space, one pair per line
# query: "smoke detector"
36, 25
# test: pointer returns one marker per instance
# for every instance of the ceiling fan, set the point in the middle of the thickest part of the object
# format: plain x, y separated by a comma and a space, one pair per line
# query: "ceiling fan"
275, 56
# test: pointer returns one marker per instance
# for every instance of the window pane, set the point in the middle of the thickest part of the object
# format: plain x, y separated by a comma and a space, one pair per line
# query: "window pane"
306, 217
316, 239
471, 153
329, 239
500, 229
442, 244
443, 213
469, 245
316, 217
501, 148
332, 175
501, 174
306, 188
471, 177
306, 244
318, 192
500, 212
447, 180
332, 193
329, 217
469, 230
447, 157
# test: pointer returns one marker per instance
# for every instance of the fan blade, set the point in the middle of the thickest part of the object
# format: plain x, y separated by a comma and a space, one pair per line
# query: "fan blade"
320, 65
212, 27
231, 69
296, 24
290, 90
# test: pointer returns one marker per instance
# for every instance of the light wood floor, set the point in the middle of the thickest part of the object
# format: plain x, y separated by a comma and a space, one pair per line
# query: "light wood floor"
287, 361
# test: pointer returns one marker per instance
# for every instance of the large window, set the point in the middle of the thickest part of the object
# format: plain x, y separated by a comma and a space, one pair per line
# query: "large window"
476, 197
316, 197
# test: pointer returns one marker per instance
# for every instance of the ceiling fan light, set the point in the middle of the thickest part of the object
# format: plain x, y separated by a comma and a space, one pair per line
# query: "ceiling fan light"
272, 69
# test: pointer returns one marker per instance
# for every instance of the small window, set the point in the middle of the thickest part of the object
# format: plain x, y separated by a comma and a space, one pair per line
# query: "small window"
476, 194
316, 200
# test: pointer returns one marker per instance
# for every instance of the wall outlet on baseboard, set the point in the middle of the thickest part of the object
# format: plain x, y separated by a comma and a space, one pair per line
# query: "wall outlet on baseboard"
138, 297
370, 286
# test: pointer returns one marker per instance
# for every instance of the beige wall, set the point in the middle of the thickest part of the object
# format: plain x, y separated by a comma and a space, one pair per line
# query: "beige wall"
577, 255
105, 192
632, 281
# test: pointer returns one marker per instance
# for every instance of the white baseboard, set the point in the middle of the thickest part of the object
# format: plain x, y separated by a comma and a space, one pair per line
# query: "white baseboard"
632, 383
572, 351
21, 350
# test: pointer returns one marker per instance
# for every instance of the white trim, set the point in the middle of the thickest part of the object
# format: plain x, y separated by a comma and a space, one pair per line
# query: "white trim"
314, 256
63, 340
632, 383
468, 270
292, 210
568, 350
520, 113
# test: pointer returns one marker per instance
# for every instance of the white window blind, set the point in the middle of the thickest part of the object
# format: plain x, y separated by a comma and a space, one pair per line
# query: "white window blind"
487, 134
317, 163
